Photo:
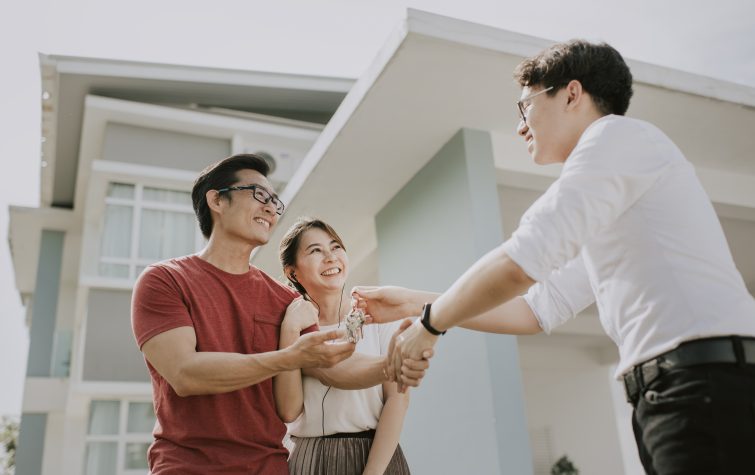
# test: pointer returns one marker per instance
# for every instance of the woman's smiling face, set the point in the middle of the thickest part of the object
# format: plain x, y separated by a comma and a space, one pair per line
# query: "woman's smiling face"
322, 264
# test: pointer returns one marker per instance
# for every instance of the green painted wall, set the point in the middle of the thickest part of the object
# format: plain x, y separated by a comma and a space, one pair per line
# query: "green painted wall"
468, 416
31, 444
44, 304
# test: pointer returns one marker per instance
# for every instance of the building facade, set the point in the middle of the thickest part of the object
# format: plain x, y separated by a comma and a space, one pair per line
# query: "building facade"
123, 143
417, 166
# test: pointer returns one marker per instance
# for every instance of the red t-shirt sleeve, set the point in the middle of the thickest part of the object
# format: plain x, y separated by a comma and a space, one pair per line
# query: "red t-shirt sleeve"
157, 305
313, 328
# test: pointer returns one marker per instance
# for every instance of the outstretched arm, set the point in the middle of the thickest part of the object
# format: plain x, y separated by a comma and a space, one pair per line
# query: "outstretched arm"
383, 304
191, 373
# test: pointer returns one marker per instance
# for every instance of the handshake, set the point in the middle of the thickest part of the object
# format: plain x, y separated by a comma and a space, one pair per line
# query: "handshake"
410, 347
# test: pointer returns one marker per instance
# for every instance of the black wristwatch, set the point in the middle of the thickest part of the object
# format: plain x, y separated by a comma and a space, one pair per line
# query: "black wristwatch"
425, 319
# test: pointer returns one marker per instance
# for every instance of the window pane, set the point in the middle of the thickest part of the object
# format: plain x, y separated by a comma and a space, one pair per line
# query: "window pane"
141, 418
166, 234
166, 196
116, 238
120, 190
101, 457
114, 270
136, 456
103, 417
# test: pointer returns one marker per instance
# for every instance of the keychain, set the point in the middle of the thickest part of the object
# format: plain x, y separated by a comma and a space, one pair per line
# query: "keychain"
354, 321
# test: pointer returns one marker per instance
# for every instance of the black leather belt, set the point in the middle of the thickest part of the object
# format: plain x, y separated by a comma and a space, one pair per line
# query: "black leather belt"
367, 434
729, 349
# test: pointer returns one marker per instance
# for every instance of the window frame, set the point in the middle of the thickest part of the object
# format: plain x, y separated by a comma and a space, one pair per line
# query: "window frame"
121, 438
138, 204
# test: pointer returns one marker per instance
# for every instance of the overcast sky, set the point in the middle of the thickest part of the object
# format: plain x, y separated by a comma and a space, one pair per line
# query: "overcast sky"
332, 38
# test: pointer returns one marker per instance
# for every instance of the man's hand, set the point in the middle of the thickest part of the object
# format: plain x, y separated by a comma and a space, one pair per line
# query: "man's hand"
412, 344
389, 303
320, 350
412, 370
300, 314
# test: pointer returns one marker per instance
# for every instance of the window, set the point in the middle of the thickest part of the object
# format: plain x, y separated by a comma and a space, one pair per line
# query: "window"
118, 436
145, 225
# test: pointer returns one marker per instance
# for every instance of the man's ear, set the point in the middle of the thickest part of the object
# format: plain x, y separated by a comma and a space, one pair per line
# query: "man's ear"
213, 200
574, 93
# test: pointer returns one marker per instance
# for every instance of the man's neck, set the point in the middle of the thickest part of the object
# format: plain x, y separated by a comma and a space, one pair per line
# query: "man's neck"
581, 124
227, 255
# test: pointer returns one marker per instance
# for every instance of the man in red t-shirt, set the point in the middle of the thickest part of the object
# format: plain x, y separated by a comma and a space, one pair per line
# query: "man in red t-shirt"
208, 325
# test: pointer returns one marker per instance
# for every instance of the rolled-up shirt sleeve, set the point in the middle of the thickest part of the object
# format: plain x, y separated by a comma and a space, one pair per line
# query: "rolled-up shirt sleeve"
562, 296
607, 172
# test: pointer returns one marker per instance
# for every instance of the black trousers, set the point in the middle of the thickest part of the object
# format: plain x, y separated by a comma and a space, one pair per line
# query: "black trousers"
698, 420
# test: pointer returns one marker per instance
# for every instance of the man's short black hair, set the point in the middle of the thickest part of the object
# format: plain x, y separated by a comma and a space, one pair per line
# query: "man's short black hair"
221, 175
598, 67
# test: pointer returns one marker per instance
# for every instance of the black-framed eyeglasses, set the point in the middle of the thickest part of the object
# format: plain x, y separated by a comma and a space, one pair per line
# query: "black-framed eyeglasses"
259, 193
523, 104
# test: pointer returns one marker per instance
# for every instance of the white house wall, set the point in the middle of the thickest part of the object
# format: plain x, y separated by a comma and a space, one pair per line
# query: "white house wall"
147, 146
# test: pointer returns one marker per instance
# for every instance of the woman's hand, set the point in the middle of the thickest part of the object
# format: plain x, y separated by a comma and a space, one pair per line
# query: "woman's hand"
300, 314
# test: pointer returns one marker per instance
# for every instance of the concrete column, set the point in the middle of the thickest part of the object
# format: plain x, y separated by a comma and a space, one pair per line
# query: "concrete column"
469, 415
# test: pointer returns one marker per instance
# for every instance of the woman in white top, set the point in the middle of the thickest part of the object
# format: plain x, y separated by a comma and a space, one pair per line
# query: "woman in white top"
334, 431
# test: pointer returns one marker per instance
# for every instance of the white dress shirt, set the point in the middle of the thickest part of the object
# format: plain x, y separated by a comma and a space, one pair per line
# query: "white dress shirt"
628, 225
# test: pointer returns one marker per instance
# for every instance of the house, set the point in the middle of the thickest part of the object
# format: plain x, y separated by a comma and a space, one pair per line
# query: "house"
123, 142
419, 169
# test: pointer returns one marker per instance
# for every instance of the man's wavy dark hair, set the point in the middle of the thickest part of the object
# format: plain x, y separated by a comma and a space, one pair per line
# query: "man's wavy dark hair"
221, 175
598, 67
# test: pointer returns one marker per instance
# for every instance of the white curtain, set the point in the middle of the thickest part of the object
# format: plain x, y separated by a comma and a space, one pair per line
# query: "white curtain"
166, 196
103, 417
116, 238
136, 456
165, 234
120, 190
141, 418
101, 458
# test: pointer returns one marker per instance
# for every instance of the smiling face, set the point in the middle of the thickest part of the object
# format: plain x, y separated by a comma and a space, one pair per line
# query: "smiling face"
555, 121
241, 216
543, 127
321, 265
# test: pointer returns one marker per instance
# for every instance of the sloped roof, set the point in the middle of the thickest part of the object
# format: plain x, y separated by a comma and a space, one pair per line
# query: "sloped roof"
67, 80
436, 74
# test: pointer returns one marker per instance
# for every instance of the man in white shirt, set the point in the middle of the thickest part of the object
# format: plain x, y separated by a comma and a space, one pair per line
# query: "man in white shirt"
626, 225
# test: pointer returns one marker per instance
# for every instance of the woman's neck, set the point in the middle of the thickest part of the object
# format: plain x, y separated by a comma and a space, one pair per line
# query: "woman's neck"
329, 303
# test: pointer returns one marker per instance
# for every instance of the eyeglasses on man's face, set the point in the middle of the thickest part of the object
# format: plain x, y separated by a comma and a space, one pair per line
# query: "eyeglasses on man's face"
523, 104
259, 193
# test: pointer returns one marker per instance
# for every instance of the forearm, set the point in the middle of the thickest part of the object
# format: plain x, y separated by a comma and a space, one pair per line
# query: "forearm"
387, 434
416, 300
287, 386
492, 281
514, 317
204, 373
359, 371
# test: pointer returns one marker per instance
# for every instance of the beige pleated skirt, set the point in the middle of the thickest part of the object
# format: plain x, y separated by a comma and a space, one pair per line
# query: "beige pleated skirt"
339, 455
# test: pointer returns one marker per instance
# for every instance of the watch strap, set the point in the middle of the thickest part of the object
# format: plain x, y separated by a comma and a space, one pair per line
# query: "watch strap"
425, 319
